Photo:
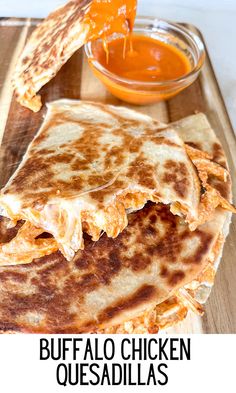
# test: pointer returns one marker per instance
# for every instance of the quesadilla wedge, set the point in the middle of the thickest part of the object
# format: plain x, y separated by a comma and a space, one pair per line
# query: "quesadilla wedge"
63, 32
196, 132
89, 166
86, 169
112, 280
146, 279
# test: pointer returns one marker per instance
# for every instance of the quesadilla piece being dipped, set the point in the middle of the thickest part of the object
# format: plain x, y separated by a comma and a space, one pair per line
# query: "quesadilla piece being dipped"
87, 167
63, 32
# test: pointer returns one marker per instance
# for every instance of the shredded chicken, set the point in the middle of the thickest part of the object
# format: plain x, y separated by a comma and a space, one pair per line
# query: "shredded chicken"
24, 247
185, 297
211, 198
205, 166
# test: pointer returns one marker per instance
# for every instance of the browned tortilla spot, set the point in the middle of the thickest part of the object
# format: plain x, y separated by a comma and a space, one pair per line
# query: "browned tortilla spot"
142, 295
176, 277
179, 178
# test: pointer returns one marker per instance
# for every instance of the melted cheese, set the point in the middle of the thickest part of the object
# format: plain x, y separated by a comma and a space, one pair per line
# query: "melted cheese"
67, 227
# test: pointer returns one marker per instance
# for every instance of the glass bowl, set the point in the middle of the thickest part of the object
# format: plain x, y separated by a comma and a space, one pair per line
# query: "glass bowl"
142, 93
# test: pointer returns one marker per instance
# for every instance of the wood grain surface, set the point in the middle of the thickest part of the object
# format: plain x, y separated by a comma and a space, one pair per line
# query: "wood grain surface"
75, 80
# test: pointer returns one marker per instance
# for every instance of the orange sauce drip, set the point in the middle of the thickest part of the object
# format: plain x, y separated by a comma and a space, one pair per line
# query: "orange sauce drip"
106, 17
143, 59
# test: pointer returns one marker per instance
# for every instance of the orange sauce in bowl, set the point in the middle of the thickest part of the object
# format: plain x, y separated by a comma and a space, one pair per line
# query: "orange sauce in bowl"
142, 58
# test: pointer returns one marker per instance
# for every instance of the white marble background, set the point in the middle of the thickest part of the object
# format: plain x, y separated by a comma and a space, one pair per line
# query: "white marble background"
216, 19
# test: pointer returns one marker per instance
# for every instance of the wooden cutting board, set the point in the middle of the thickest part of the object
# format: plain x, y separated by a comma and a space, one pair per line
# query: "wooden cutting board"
75, 80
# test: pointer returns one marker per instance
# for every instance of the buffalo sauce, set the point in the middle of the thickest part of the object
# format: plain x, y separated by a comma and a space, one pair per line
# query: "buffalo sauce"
106, 17
142, 58
133, 57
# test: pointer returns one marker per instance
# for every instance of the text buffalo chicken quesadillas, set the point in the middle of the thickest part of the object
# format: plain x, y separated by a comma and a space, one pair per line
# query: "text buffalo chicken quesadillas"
92, 169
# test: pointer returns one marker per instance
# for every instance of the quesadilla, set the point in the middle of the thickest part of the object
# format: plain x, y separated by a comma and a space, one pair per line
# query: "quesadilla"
112, 280
88, 166
145, 279
63, 32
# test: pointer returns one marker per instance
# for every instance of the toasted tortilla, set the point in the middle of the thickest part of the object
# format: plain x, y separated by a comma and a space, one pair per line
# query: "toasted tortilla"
88, 166
112, 280
63, 32
146, 279
196, 132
